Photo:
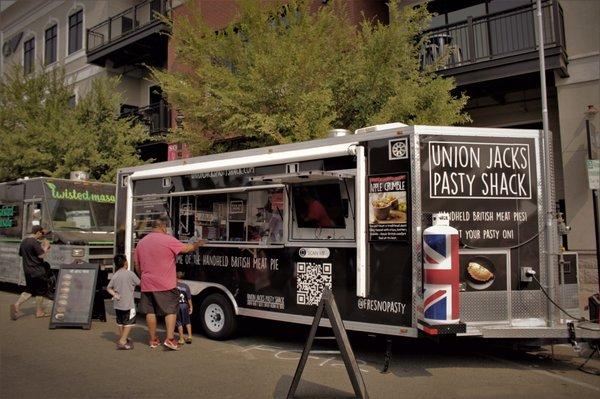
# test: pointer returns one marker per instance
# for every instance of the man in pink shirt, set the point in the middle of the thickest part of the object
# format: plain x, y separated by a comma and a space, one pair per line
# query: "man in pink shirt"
154, 259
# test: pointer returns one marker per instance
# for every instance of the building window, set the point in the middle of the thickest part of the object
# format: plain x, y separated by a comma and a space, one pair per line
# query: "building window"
50, 45
28, 55
75, 31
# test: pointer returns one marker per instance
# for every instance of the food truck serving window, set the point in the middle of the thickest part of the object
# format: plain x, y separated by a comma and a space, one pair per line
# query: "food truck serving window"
254, 216
318, 205
323, 210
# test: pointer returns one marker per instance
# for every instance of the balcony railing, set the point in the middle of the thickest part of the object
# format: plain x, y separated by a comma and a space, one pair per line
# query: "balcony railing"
494, 36
125, 23
157, 117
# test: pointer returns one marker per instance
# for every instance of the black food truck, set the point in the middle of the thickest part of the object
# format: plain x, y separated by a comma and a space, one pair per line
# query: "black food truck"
348, 212
79, 214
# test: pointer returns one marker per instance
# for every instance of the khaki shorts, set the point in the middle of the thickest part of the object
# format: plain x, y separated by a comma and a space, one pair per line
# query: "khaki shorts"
159, 302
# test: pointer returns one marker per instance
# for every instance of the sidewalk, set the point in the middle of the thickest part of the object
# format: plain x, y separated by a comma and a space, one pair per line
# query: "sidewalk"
36, 362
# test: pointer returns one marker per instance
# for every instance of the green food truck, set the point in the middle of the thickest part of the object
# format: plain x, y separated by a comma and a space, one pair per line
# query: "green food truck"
79, 215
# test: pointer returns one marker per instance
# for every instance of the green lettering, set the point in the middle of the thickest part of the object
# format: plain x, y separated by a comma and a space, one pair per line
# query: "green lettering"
7, 211
73, 194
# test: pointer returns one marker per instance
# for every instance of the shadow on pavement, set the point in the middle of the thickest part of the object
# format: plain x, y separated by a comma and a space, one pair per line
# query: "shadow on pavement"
415, 357
308, 389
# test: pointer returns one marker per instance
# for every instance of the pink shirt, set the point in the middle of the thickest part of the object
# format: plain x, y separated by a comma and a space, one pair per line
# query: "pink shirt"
156, 254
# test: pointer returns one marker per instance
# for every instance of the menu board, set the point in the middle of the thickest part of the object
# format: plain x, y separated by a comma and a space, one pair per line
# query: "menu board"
74, 298
387, 209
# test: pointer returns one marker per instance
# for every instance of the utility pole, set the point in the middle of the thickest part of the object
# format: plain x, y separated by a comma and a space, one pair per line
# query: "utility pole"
589, 115
551, 235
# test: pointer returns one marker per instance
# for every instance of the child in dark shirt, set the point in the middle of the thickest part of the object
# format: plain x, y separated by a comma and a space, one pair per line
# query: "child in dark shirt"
184, 311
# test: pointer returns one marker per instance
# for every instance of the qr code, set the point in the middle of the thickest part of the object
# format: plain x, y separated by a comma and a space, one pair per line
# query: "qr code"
311, 279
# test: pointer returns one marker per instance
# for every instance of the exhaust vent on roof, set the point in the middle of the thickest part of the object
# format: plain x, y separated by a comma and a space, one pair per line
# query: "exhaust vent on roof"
338, 132
378, 128
79, 175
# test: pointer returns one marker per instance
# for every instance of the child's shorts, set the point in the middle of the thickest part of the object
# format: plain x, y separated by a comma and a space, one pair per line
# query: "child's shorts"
183, 315
125, 317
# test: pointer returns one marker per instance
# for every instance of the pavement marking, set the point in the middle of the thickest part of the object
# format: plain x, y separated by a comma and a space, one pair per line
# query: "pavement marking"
323, 363
543, 372
261, 348
295, 354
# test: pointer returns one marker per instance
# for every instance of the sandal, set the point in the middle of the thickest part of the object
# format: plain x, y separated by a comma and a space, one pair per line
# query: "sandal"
14, 313
42, 315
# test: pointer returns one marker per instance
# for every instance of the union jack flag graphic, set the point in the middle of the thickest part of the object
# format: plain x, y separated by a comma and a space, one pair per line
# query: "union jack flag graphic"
441, 280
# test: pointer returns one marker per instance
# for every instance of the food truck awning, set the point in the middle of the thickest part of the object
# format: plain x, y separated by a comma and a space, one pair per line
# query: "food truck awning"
302, 177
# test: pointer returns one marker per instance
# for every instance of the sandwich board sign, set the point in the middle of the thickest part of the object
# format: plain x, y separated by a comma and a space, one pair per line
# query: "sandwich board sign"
327, 304
74, 298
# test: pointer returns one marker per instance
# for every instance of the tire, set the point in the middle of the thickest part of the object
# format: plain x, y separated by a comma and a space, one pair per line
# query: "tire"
217, 317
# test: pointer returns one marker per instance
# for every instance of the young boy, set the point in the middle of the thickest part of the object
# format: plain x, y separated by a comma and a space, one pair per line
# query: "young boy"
121, 287
185, 310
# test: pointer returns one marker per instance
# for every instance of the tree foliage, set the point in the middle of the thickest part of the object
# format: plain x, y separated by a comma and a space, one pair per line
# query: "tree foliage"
285, 72
42, 135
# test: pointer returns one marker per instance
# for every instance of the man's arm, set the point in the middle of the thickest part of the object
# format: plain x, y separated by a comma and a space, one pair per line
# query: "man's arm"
42, 250
136, 262
191, 247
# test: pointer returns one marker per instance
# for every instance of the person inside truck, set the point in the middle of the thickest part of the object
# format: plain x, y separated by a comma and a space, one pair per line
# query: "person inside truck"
315, 211
36, 280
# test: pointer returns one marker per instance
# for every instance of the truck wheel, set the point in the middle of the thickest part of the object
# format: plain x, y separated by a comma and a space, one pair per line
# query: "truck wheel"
217, 317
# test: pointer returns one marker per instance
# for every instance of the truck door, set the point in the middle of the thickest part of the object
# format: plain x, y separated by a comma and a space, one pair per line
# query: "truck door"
11, 232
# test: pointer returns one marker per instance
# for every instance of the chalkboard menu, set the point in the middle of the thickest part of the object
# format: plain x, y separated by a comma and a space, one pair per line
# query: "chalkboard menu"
74, 298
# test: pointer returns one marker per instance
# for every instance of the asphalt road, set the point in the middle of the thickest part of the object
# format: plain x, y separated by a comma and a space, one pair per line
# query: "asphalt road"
259, 362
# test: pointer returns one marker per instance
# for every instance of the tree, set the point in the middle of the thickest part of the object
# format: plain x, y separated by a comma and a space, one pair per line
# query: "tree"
42, 135
285, 73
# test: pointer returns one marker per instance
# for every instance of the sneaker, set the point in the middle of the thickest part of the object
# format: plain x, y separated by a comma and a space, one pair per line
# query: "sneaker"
188, 340
171, 344
127, 346
154, 343
181, 341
